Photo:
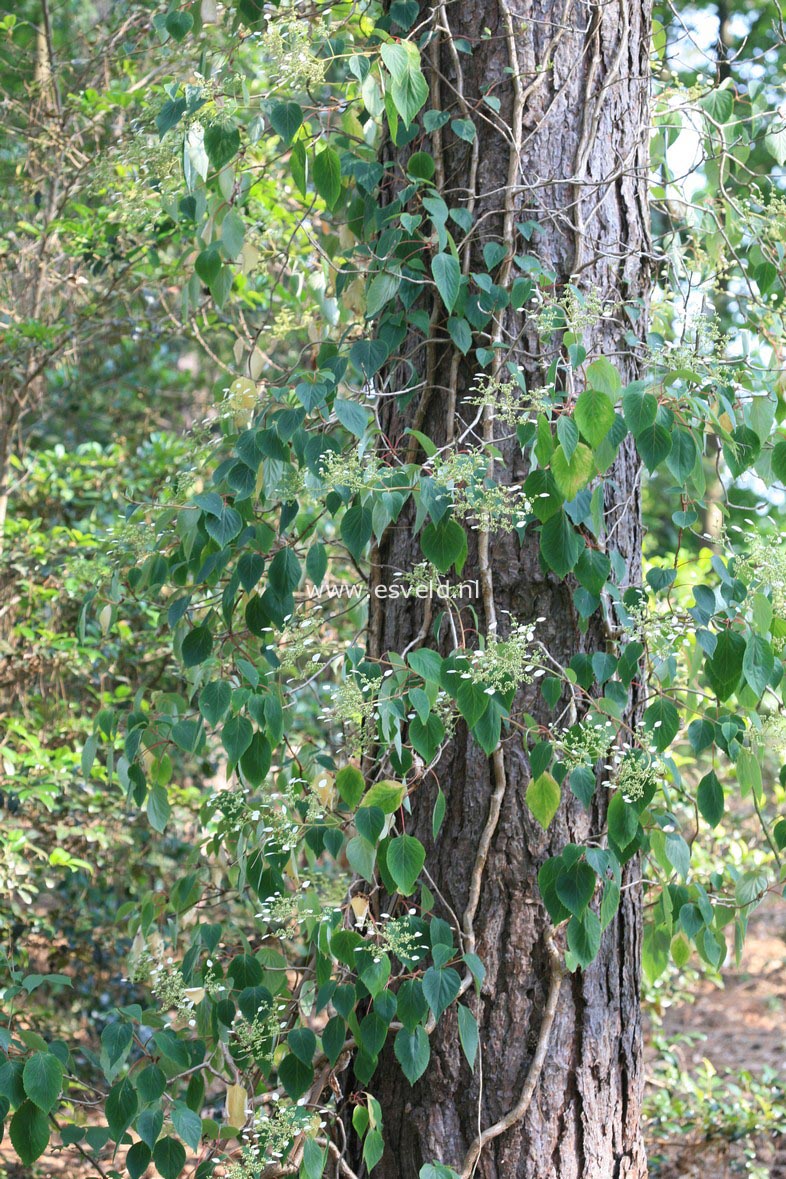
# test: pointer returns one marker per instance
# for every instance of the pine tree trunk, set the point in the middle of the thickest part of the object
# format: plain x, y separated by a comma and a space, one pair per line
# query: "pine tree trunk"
579, 172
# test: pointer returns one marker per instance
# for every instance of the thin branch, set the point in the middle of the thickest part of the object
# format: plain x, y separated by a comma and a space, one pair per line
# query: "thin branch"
556, 973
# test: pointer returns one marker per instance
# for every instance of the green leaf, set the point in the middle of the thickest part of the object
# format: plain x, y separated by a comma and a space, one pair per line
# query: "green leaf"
233, 234
29, 1132
373, 1149
334, 1038
468, 1034
208, 265
222, 143
639, 408
138, 1160
472, 701
464, 129
255, 762
441, 985
725, 668
584, 937
425, 738
663, 721
370, 822
169, 1157
375, 978
236, 736
543, 799
314, 1158
214, 701
778, 461
179, 24
187, 735
775, 142
170, 115
356, 529
683, 454
43, 1080
317, 562
571, 475
295, 1076
116, 1041
350, 785
461, 334
284, 572
387, 795
383, 287
444, 544
188, 1125
286, 119
303, 1043
742, 450
447, 276
603, 376
575, 886
593, 570
327, 176
410, 89
197, 646
158, 808
757, 663
368, 356
594, 414
437, 819
362, 857
709, 799
560, 544
568, 435
487, 730
412, 1051
151, 1083
623, 822
421, 165
121, 1107
411, 1003
654, 445
11, 1086
405, 859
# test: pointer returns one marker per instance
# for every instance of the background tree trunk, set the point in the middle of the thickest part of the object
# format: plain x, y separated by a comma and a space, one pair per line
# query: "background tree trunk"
580, 173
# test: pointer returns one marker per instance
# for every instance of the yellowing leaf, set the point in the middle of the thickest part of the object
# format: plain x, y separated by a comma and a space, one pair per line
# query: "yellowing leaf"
571, 476
236, 1105
359, 905
543, 798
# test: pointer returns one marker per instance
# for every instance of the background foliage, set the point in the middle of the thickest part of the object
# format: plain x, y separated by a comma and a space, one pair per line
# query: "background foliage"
202, 287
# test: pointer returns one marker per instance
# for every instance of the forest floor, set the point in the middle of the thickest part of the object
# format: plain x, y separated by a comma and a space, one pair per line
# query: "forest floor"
738, 1026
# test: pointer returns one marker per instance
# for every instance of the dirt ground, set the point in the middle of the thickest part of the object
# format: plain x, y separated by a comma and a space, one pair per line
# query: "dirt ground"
741, 1025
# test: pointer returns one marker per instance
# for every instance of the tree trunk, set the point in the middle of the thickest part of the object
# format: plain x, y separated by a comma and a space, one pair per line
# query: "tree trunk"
577, 167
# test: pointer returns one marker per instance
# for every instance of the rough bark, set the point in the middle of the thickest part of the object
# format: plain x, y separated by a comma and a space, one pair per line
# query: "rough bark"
581, 170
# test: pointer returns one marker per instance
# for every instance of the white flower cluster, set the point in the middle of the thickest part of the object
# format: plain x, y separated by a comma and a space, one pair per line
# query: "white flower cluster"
636, 773
474, 496
504, 664
764, 565
399, 938
350, 469
260, 1037
510, 402
585, 743
287, 44
271, 1136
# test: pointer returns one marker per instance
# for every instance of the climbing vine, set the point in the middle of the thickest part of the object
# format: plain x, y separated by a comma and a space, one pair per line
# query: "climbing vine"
305, 931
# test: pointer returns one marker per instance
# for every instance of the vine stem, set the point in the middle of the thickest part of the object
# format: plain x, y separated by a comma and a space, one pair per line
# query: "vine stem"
556, 974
